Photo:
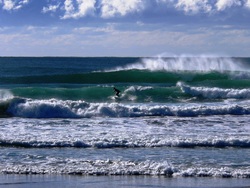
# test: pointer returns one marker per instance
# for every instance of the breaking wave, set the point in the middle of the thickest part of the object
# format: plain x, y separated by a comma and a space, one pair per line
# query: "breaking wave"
197, 64
54, 108
119, 167
144, 142
214, 92
5, 95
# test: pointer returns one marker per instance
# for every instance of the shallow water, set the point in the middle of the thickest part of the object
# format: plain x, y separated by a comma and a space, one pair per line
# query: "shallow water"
214, 146
25, 181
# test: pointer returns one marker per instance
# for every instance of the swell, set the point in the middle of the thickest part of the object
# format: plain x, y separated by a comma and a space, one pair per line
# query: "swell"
145, 93
135, 76
127, 76
102, 93
91, 93
134, 101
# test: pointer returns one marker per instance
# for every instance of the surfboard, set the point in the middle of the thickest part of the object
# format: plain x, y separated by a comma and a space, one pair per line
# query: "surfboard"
117, 98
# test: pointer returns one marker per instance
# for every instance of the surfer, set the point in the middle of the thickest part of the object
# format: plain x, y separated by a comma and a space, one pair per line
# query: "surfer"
117, 92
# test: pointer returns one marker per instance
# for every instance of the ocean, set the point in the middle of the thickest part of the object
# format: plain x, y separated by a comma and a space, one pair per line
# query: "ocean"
176, 117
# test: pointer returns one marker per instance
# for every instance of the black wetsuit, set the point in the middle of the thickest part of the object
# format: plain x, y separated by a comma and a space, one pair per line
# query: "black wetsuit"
117, 92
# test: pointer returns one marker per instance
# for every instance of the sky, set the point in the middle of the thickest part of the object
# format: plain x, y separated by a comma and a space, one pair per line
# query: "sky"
140, 28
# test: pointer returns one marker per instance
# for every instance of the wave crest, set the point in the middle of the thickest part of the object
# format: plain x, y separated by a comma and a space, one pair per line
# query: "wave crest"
54, 108
5, 95
198, 64
215, 93
122, 167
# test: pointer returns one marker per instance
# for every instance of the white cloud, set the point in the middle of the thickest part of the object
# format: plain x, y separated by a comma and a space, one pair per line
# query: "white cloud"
79, 8
194, 6
247, 4
8, 5
108, 8
13, 4
111, 8
223, 4
69, 8
163, 1
50, 8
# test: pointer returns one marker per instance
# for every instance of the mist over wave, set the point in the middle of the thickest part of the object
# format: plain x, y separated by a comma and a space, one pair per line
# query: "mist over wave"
182, 63
5, 94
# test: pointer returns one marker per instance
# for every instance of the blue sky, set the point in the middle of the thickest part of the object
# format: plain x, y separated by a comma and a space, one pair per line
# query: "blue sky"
124, 27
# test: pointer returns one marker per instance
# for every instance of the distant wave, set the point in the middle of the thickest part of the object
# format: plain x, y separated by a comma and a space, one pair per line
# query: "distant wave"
119, 76
150, 71
182, 63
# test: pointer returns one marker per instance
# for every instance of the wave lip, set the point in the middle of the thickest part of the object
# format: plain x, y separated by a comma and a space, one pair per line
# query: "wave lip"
5, 95
197, 64
52, 108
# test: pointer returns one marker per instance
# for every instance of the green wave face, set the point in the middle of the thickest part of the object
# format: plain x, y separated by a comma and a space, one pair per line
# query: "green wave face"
103, 93
125, 76
136, 85
146, 80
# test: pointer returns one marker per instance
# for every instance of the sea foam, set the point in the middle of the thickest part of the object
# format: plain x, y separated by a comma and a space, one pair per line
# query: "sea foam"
215, 93
54, 108
119, 167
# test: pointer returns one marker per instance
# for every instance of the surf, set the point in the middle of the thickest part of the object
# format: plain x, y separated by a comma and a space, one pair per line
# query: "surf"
215, 92
140, 70
186, 63
54, 108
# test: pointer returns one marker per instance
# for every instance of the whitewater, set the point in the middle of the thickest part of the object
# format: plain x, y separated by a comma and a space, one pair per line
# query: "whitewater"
176, 116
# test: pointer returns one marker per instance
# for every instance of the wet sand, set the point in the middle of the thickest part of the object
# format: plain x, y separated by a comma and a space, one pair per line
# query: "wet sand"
42, 181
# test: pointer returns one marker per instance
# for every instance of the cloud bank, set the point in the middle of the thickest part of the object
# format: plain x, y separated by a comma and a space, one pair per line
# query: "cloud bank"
124, 27
110, 41
75, 9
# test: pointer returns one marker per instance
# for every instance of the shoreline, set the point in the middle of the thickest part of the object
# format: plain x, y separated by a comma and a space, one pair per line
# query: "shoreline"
26, 181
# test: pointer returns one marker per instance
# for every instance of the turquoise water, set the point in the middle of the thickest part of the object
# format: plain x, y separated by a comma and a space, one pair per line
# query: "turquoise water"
175, 117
